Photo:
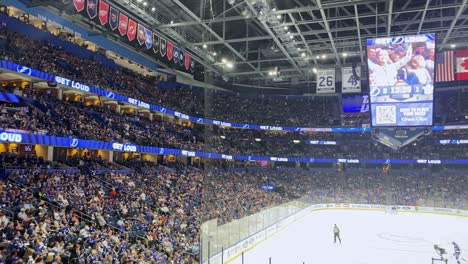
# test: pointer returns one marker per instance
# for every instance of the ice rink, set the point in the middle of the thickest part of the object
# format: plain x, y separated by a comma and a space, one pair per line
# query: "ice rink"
368, 238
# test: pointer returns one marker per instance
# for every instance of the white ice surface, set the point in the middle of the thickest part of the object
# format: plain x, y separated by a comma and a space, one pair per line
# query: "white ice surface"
368, 238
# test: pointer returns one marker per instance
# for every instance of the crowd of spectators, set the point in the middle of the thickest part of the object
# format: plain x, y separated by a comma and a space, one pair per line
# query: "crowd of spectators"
264, 110
154, 217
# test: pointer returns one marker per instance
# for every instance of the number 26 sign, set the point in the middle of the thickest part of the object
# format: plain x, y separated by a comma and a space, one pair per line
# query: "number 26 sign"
326, 81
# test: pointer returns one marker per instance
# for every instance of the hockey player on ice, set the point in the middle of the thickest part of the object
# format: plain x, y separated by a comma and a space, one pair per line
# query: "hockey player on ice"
336, 232
457, 252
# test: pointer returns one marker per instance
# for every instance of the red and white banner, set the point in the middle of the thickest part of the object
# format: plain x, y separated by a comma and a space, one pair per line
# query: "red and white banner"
79, 5
91, 8
462, 64
170, 49
132, 29
103, 12
187, 61
123, 24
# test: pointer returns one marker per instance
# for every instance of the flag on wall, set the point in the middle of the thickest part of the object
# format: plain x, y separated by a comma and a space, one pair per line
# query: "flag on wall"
462, 64
444, 67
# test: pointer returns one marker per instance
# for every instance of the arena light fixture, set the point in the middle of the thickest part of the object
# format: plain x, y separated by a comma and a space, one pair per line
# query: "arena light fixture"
278, 16
223, 60
205, 46
214, 54
230, 65
258, 139
291, 37
345, 54
285, 28
296, 141
317, 57
153, 9
303, 54
145, 3
453, 46
172, 21
314, 70
324, 56
222, 137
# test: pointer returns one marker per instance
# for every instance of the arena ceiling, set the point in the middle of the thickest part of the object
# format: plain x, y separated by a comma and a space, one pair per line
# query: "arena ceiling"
255, 36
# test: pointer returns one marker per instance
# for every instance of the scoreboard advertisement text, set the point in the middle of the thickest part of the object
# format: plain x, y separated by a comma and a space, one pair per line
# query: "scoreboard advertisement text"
401, 80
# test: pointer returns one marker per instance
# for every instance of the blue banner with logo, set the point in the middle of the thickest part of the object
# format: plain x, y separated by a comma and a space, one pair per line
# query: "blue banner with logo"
12, 136
122, 98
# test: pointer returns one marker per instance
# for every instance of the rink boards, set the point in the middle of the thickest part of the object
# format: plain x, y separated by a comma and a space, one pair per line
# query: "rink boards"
235, 251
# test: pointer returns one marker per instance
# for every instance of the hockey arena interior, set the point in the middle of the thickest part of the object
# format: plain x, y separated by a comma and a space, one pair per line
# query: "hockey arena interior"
234, 131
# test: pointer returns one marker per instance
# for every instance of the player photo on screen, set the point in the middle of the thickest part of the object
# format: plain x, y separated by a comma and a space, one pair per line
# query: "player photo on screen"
401, 80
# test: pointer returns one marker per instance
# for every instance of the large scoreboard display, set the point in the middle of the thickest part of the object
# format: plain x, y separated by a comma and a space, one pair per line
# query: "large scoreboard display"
401, 80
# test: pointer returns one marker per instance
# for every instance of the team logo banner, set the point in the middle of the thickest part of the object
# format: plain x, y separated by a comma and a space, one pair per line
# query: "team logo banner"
163, 47
103, 12
141, 34
170, 48
349, 82
91, 8
79, 5
132, 29
123, 24
148, 38
187, 61
192, 66
176, 55
156, 44
181, 58
113, 18
326, 81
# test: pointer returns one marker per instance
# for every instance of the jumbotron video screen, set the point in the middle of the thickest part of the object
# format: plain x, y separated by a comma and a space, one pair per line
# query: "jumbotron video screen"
401, 80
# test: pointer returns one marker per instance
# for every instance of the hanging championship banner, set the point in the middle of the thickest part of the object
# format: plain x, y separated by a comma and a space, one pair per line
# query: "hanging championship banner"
132, 30
181, 58
79, 5
103, 12
148, 38
349, 83
155, 43
91, 8
163, 47
169, 50
176, 55
141, 34
113, 18
325, 81
187, 61
123, 24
